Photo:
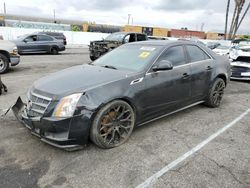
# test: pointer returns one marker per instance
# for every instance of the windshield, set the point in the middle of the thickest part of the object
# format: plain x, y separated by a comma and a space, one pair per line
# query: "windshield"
130, 57
22, 37
115, 37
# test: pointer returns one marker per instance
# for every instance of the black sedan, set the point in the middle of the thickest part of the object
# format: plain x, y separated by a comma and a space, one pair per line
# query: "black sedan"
38, 43
129, 86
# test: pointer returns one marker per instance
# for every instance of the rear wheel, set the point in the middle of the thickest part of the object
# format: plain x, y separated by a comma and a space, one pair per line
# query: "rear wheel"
93, 58
113, 124
54, 51
4, 64
216, 93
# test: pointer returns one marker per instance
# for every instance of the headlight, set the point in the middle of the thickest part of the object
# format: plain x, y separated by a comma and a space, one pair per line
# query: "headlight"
67, 105
15, 51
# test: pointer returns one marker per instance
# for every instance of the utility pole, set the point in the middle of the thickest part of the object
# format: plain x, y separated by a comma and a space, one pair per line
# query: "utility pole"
54, 11
202, 26
4, 8
129, 15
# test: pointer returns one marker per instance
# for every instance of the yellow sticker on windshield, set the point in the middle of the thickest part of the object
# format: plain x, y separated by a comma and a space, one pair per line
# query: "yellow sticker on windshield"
144, 55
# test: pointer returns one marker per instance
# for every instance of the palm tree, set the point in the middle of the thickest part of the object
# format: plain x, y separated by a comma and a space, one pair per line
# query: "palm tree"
227, 11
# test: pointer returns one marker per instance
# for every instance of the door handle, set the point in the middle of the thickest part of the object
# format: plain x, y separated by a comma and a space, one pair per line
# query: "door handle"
209, 68
185, 75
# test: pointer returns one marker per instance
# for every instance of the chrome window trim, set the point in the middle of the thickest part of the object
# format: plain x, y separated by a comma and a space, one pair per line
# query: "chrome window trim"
148, 72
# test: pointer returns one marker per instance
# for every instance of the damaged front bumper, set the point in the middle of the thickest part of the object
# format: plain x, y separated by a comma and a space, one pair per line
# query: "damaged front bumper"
67, 133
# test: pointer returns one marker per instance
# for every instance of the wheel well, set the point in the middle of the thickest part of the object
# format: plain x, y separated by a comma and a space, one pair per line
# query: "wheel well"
122, 99
5, 53
54, 47
129, 102
223, 77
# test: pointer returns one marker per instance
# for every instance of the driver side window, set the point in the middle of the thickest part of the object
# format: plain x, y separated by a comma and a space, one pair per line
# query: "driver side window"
129, 38
32, 38
175, 55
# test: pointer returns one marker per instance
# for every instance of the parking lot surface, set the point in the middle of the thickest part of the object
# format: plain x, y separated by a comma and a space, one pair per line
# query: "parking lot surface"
25, 161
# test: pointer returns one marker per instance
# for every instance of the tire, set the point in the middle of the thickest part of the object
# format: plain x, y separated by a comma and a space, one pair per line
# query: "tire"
93, 58
4, 64
54, 51
215, 93
113, 124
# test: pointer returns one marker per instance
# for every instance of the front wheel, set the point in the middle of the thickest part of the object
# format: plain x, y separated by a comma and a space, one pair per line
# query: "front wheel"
4, 64
113, 124
93, 58
215, 93
54, 51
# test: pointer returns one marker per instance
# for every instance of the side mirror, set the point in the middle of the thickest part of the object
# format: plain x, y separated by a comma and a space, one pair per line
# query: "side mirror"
25, 40
163, 65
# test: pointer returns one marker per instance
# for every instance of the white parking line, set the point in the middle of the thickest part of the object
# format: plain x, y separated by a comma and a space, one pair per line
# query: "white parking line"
165, 169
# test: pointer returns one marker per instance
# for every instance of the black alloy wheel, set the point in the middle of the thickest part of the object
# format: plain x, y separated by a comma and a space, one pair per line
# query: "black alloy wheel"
216, 93
54, 51
113, 124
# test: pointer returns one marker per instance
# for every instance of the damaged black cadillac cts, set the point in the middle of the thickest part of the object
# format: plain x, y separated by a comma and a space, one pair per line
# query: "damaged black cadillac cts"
132, 85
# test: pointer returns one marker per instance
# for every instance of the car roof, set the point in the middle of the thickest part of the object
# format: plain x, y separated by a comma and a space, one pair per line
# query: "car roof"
125, 33
163, 42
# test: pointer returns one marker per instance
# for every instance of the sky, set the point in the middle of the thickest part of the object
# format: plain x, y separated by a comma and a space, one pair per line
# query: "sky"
160, 13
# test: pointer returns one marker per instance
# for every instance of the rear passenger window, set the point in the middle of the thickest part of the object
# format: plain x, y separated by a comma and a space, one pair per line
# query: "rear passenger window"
141, 37
196, 54
44, 38
175, 55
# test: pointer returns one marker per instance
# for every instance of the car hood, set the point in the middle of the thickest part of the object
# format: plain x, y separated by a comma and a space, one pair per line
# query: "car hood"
102, 42
240, 64
7, 45
78, 79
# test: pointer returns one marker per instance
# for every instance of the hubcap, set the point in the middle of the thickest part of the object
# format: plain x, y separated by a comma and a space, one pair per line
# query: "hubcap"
218, 93
1, 64
116, 125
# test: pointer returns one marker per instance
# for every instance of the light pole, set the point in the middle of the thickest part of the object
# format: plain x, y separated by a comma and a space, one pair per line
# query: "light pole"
129, 15
4, 8
54, 11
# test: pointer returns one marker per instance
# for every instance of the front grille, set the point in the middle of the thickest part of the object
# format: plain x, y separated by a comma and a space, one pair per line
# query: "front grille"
237, 70
37, 105
240, 69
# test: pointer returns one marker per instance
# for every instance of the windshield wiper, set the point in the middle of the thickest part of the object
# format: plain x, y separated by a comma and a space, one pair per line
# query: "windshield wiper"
109, 67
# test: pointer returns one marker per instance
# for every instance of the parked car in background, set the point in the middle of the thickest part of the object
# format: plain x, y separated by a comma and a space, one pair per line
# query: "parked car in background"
38, 43
222, 50
212, 45
157, 38
8, 55
98, 48
130, 86
241, 69
240, 48
57, 35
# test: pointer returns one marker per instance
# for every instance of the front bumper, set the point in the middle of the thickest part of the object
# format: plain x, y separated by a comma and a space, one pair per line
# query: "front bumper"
14, 60
66, 133
240, 78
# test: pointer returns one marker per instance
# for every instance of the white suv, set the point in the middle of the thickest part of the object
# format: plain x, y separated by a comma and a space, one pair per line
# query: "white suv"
8, 55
